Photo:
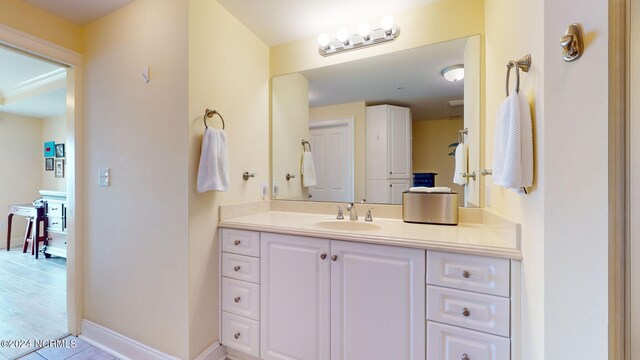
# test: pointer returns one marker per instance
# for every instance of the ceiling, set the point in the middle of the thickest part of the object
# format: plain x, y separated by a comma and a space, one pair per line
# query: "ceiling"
408, 78
79, 12
31, 87
282, 21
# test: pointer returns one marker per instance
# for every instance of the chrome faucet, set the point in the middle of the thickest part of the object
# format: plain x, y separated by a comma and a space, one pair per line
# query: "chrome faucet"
353, 215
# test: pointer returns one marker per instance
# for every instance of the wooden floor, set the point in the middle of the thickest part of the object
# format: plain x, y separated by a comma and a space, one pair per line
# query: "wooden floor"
33, 300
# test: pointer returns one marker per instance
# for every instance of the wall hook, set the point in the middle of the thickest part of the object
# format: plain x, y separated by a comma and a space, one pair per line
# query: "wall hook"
572, 43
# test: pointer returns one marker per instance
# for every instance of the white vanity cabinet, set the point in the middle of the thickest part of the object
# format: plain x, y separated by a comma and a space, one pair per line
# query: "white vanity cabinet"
327, 299
388, 148
471, 307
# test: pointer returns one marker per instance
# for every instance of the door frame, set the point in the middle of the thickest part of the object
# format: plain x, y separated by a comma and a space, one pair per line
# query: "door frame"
350, 122
73, 61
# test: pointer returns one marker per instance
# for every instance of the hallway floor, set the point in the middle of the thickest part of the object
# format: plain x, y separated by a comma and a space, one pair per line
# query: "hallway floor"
73, 349
33, 300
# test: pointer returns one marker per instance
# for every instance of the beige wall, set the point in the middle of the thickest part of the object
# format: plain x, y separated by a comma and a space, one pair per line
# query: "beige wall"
357, 110
433, 23
228, 71
54, 129
290, 124
431, 140
22, 164
136, 239
473, 121
21, 16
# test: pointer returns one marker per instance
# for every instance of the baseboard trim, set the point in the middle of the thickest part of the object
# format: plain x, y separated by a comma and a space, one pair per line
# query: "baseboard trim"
213, 352
121, 346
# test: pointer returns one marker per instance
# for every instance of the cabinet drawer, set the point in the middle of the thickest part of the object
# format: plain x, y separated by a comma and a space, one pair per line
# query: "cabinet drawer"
446, 342
475, 311
55, 208
241, 267
55, 224
241, 242
241, 298
468, 272
241, 334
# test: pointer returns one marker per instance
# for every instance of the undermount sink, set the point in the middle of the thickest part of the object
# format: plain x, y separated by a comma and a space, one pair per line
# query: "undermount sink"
347, 225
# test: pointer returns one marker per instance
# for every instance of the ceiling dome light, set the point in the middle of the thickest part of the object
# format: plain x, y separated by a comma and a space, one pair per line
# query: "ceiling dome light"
323, 41
453, 72
343, 36
365, 31
387, 24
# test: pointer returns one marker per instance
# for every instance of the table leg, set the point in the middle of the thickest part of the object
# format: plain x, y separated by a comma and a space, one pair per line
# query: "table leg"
36, 237
9, 219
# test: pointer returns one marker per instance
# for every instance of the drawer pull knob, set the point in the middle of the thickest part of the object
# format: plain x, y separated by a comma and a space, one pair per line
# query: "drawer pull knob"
236, 242
237, 335
466, 274
334, 257
236, 268
236, 299
466, 312
465, 357
323, 256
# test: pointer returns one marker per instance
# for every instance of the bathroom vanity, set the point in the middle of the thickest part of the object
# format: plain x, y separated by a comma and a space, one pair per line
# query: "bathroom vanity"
303, 286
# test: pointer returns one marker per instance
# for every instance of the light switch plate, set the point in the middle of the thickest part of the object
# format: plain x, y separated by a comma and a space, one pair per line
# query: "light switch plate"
264, 189
276, 189
104, 177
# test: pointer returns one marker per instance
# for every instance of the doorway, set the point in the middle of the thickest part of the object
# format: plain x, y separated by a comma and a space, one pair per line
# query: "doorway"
332, 143
70, 64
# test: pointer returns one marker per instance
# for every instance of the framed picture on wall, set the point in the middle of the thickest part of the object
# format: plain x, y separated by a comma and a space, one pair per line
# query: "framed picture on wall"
59, 150
49, 150
48, 164
59, 168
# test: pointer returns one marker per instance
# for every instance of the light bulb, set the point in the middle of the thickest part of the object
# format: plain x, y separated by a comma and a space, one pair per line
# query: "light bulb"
343, 36
364, 30
387, 24
323, 40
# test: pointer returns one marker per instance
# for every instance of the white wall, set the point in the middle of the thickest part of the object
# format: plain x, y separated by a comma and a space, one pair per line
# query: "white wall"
290, 124
473, 119
576, 184
54, 129
136, 238
21, 168
228, 71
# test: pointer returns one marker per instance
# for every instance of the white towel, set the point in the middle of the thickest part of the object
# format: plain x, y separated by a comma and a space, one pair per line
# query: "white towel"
461, 164
435, 189
308, 170
213, 172
513, 149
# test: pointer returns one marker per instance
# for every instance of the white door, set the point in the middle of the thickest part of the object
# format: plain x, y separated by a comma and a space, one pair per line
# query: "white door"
396, 188
332, 147
377, 302
399, 159
294, 298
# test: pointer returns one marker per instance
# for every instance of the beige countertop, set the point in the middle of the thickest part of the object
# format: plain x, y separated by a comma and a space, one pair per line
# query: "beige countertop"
494, 238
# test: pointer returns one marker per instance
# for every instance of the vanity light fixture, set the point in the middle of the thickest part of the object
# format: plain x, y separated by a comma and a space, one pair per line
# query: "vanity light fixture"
365, 37
453, 72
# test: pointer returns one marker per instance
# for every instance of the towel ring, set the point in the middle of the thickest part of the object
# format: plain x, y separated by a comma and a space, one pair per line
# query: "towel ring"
305, 142
209, 114
523, 64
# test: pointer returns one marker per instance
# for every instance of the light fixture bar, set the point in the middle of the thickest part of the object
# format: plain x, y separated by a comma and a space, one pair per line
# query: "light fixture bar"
357, 41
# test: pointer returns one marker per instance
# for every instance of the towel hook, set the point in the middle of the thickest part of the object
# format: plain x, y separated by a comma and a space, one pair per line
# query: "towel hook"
461, 134
209, 114
305, 142
523, 64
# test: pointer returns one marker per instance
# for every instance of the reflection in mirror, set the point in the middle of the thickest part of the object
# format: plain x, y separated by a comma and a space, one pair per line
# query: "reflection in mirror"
377, 126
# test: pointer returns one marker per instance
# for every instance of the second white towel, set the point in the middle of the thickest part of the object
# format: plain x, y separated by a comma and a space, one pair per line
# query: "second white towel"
213, 171
461, 164
513, 149
308, 170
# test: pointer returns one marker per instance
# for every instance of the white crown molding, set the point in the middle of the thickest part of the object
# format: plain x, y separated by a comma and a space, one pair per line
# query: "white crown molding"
53, 80
48, 50
118, 345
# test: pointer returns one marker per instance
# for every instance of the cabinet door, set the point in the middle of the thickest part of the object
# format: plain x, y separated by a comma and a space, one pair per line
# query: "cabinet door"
376, 143
377, 302
399, 159
295, 298
396, 188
